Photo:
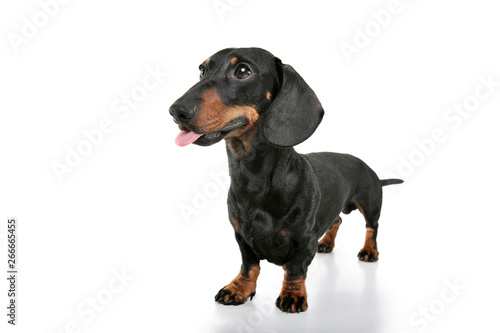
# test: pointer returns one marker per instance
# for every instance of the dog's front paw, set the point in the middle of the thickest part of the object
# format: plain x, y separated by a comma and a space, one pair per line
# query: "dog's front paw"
369, 254
291, 301
293, 296
240, 289
233, 295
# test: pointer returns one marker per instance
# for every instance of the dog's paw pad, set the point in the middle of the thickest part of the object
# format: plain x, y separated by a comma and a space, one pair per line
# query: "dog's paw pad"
368, 254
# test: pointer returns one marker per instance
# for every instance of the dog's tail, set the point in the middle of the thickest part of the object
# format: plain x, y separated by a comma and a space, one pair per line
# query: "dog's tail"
386, 182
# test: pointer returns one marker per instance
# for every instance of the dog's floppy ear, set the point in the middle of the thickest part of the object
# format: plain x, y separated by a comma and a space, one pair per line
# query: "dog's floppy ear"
295, 113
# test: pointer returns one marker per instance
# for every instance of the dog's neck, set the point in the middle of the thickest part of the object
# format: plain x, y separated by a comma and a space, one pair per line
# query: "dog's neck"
255, 168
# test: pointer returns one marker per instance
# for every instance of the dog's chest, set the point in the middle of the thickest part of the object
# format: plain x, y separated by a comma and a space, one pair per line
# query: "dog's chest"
264, 233
272, 245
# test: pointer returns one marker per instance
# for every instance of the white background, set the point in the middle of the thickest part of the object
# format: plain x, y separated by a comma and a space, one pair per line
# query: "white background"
119, 209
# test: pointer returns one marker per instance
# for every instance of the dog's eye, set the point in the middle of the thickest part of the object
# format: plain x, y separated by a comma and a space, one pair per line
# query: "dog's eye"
202, 71
242, 72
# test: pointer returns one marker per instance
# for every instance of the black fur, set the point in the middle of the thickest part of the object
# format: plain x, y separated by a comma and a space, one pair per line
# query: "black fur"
283, 201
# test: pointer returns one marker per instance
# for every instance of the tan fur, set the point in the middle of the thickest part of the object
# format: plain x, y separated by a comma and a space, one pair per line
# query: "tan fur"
328, 241
235, 223
214, 115
242, 286
370, 246
294, 289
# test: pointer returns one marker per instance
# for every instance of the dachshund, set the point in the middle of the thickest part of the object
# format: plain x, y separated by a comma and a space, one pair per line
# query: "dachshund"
280, 202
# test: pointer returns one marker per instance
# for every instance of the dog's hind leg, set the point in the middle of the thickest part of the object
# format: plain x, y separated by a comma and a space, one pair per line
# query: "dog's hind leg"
371, 213
327, 243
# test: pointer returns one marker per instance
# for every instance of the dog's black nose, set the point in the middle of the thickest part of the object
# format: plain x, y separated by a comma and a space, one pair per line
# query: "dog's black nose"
181, 113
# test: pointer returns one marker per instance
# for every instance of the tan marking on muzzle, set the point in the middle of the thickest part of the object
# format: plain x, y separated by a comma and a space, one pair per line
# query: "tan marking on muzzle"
214, 114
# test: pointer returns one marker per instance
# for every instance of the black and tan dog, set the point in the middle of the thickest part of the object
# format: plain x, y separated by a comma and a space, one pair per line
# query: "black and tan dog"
280, 202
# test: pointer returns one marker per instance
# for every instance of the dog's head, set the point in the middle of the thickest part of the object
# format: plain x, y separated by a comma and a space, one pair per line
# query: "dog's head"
242, 91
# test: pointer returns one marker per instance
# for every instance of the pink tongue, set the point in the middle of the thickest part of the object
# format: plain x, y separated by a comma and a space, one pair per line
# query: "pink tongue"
186, 137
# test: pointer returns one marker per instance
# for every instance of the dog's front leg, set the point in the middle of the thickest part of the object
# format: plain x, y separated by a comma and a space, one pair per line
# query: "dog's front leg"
245, 283
293, 295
